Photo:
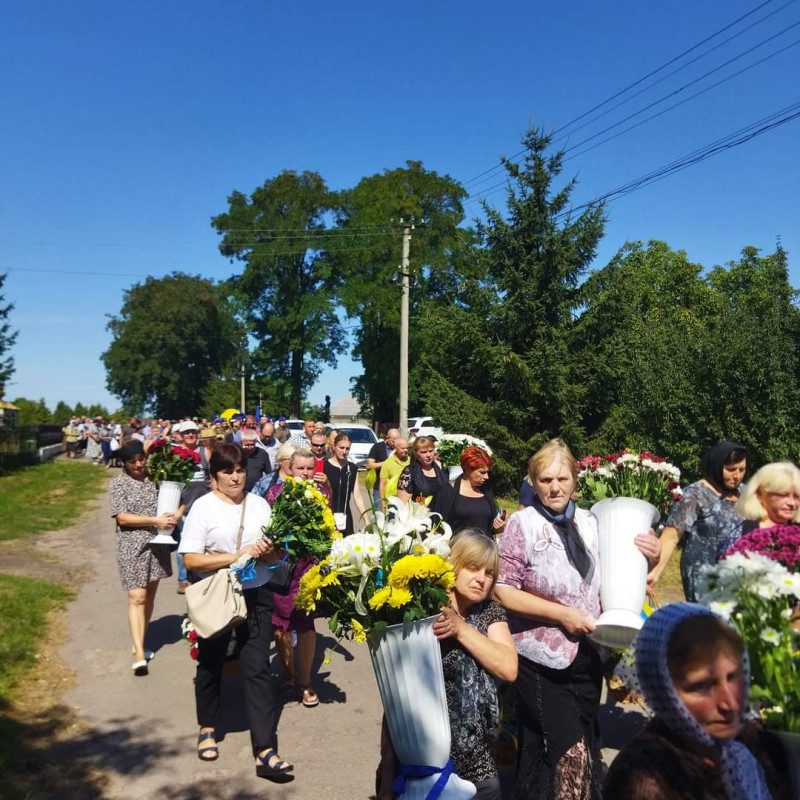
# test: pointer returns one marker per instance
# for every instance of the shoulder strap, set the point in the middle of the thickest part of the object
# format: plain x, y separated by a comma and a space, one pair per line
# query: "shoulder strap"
241, 525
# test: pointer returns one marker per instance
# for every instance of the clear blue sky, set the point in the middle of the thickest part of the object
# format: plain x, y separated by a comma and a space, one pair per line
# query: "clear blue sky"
125, 126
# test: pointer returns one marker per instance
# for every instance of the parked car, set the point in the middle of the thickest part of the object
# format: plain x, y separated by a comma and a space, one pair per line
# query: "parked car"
362, 438
424, 426
295, 424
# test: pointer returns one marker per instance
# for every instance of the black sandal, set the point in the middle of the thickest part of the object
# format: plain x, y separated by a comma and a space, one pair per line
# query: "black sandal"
211, 748
277, 770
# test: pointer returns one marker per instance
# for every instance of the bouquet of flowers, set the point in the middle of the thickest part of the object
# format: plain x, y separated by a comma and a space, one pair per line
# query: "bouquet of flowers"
302, 522
627, 474
394, 571
757, 595
190, 634
451, 445
781, 543
165, 463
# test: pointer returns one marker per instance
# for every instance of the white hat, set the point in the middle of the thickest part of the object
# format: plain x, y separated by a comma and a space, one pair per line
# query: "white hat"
188, 426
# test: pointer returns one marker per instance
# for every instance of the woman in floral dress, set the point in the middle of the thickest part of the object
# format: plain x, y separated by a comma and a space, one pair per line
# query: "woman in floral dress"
133, 504
705, 516
549, 585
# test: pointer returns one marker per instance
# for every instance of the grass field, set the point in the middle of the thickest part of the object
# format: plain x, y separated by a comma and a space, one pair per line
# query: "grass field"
47, 497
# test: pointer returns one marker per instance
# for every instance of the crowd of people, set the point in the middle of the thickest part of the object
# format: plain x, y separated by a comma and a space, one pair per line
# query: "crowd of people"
524, 604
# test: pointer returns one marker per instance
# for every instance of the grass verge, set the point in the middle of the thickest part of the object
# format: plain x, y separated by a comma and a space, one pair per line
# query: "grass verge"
47, 497
26, 604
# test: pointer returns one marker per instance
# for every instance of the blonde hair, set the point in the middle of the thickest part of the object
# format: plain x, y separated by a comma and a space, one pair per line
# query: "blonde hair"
473, 548
301, 452
781, 476
285, 451
547, 454
423, 441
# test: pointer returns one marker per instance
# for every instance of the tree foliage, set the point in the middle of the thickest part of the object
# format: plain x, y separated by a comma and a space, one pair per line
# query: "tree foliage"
7, 338
287, 286
367, 255
172, 336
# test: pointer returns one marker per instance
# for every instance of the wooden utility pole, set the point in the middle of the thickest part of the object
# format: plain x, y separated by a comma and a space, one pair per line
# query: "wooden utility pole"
405, 275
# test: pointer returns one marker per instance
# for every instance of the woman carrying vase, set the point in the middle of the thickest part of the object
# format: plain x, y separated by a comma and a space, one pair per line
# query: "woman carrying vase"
134, 500
705, 516
549, 584
476, 648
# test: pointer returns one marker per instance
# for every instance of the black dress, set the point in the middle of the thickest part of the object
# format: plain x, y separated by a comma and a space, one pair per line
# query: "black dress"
342, 482
461, 512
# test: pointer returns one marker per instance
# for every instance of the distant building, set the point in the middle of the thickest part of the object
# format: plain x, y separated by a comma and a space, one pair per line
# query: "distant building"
9, 415
347, 410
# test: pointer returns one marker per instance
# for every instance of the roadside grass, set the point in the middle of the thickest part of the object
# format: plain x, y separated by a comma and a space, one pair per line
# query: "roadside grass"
26, 604
47, 497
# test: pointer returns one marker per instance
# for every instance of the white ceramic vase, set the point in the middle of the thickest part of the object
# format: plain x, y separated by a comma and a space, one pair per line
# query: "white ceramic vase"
623, 568
454, 472
169, 499
791, 745
408, 666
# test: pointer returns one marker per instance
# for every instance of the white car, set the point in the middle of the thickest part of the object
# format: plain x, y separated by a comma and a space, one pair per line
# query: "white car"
424, 426
295, 424
362, 437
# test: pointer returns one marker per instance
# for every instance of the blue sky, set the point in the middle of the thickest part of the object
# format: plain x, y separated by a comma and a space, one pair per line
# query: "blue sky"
125, 127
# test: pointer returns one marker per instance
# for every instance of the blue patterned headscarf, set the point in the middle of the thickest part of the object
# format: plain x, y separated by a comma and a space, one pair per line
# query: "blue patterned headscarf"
741, 773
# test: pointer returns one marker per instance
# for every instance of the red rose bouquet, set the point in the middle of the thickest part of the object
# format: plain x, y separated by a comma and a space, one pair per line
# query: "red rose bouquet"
165, 463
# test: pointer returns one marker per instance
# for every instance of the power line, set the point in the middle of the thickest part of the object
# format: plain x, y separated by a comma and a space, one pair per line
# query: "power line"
634, 84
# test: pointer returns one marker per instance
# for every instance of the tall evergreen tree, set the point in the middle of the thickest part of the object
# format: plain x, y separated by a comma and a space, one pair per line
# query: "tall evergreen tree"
7, 339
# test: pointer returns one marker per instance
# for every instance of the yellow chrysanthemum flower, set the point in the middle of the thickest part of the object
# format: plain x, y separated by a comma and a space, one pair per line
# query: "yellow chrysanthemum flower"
379, 598
359, 634
429, 566
399, 597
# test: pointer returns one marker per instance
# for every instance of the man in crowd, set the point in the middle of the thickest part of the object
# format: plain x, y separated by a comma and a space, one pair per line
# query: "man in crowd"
302, 439
269, 442
282, 433
258, 461
318, 450
379, 452
391, 469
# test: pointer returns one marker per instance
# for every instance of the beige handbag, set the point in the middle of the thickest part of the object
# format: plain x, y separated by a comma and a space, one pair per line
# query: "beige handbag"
216, 604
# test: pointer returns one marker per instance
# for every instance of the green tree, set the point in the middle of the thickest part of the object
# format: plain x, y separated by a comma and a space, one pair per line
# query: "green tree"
32, 412
753, 368
287, 286
367, 253
172, 336
61, 413
7, 339
502, 337
640, 348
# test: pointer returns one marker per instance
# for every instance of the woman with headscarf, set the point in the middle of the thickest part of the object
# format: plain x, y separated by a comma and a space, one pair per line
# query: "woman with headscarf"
423, 477
705, 515
134, 500
693, 671
549, 584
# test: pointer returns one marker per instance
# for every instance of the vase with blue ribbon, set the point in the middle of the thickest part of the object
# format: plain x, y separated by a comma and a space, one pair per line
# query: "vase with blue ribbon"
408, 668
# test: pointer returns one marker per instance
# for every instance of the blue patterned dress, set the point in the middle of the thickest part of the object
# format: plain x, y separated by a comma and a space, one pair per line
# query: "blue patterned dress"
706, 519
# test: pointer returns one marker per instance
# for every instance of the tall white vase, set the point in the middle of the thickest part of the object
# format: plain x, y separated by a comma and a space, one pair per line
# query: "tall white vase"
408, 666
169, 499
623, 568
454, 472
791, 746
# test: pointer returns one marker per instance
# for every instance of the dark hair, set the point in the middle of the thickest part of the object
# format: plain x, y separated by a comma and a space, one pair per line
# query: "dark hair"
718, 456
226, 456
699, 639
340, 438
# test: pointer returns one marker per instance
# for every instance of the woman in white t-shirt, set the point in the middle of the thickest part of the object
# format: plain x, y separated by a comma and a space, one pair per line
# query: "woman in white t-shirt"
208, 543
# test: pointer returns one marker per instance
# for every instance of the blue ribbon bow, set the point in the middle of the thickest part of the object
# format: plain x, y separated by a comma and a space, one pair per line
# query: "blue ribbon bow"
423, 771
247, 572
